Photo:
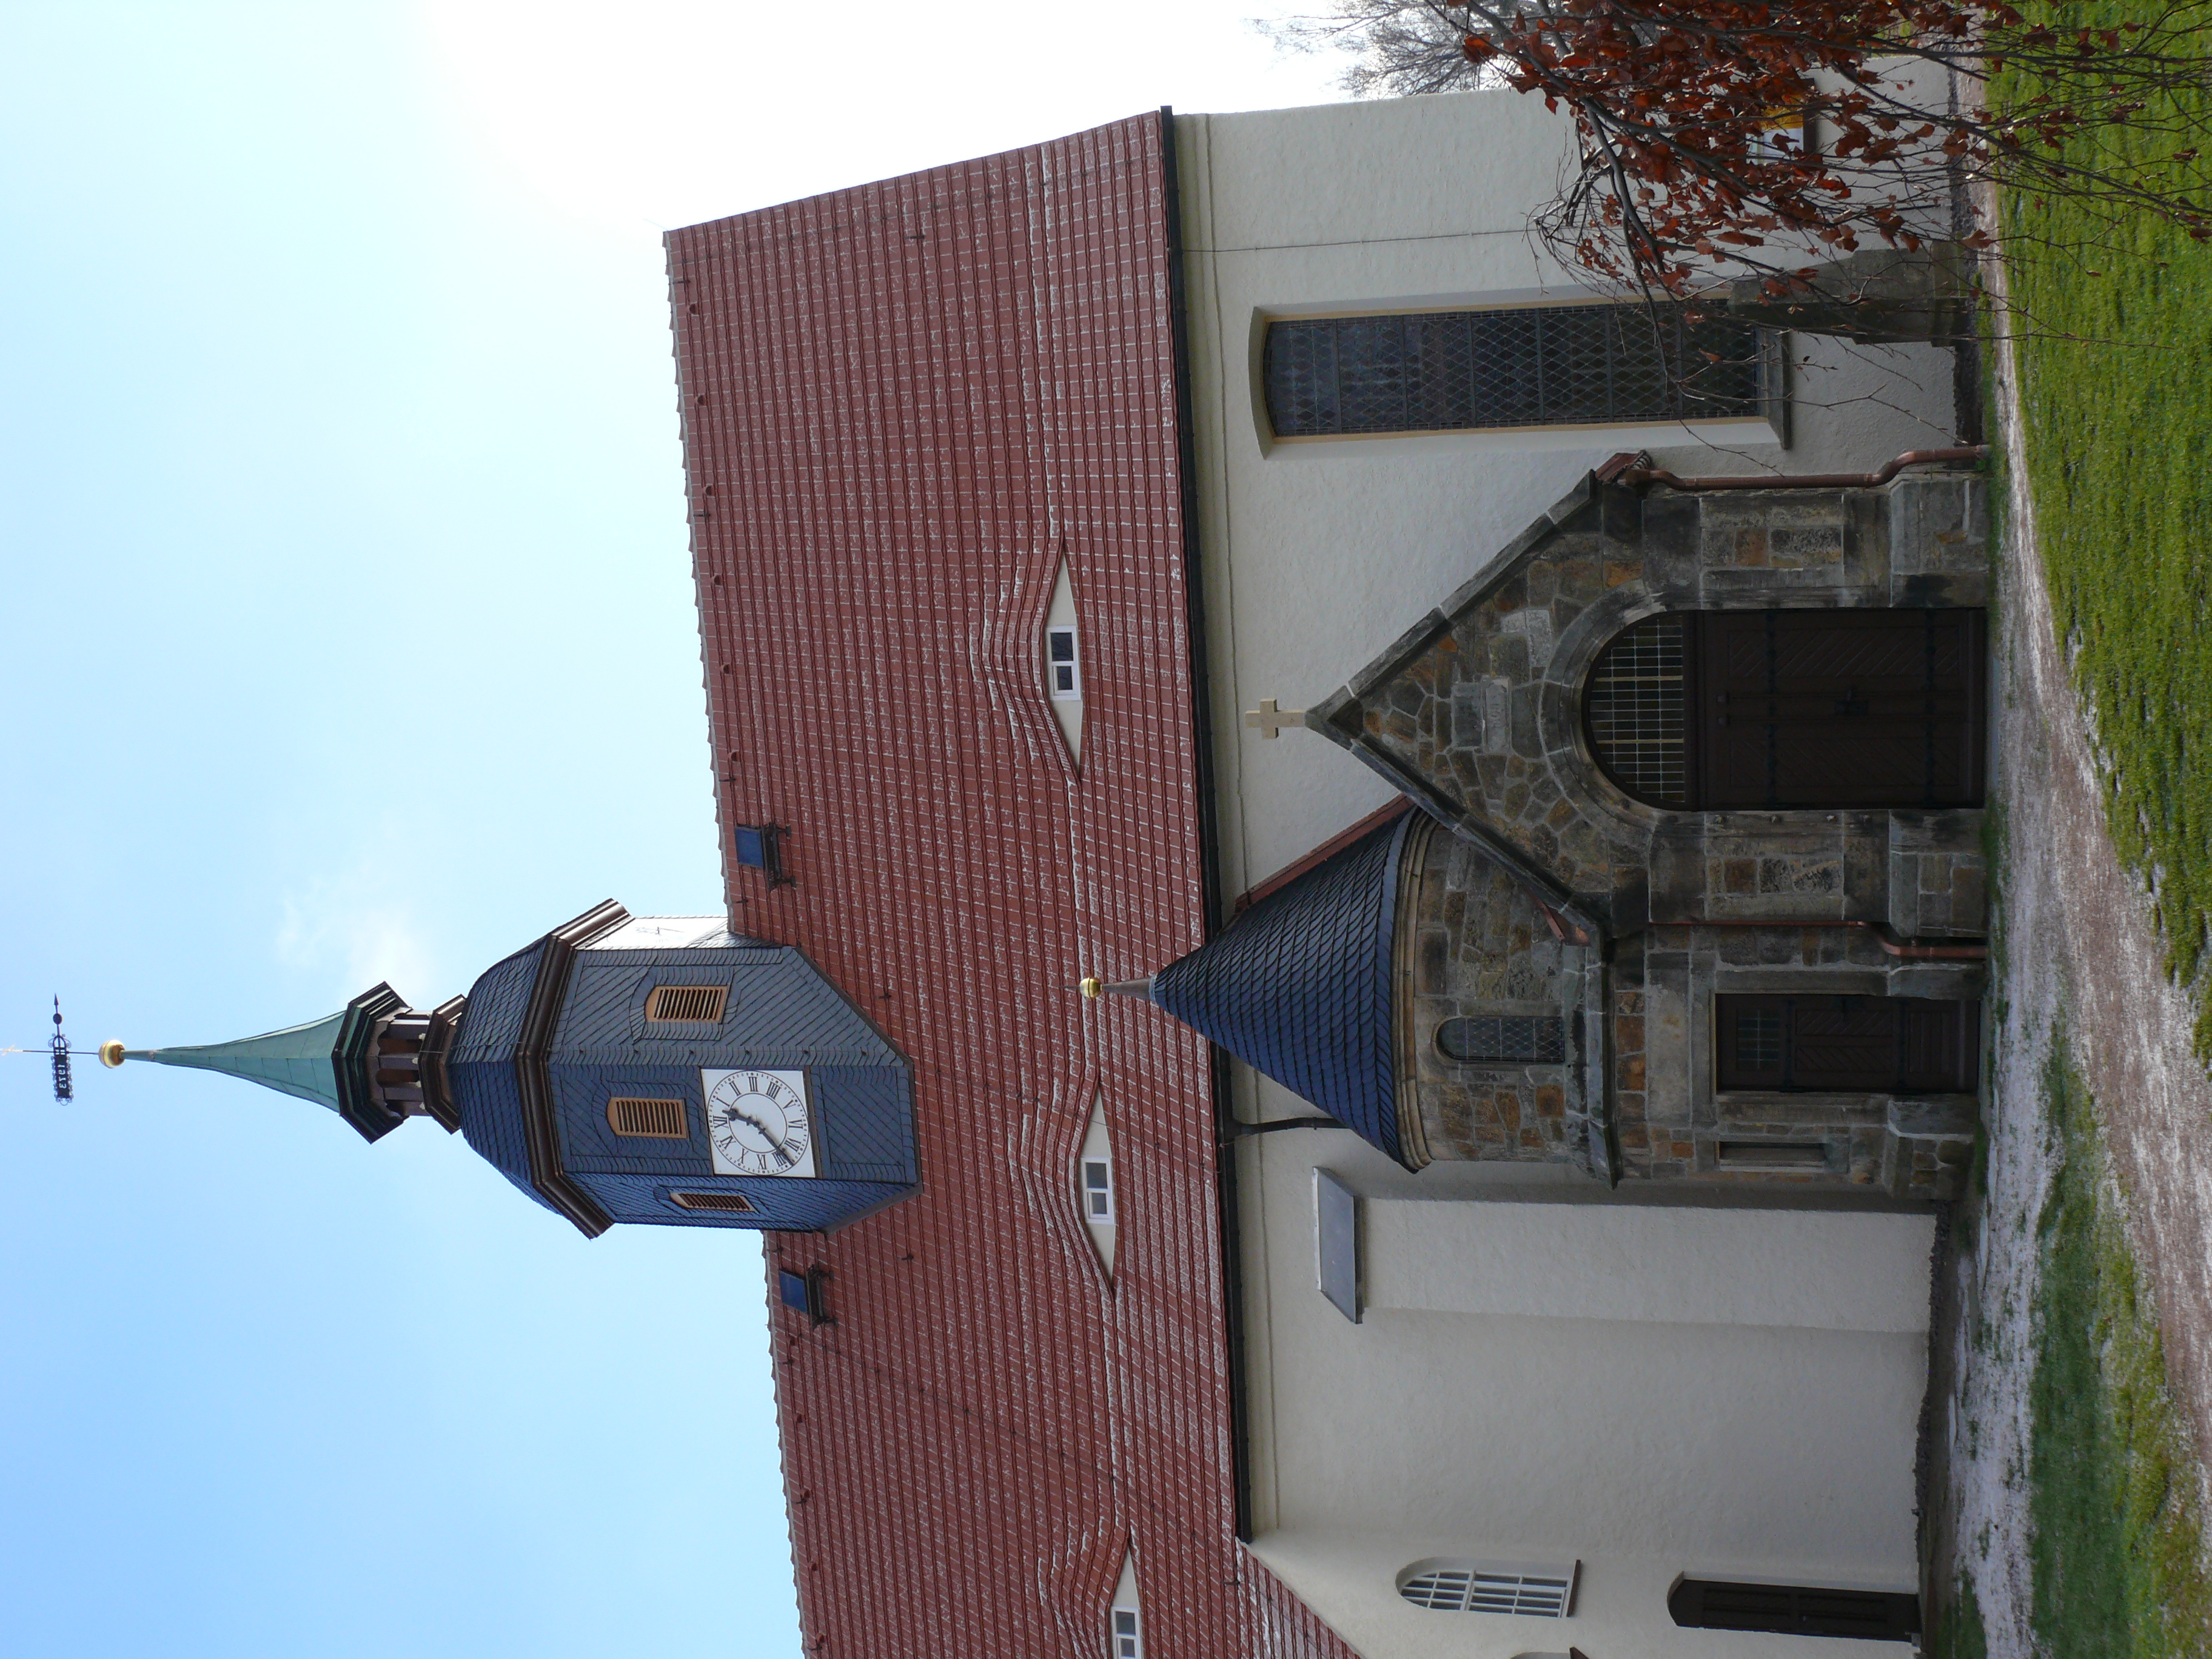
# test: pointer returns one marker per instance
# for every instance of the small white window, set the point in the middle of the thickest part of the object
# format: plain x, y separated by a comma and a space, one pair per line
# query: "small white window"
1126, 1621
1098, 1191
1094, 1184
1062, 673
1490, 1586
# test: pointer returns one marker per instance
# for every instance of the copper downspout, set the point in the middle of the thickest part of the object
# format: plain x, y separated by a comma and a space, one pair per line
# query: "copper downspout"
1907, 949
1635, 469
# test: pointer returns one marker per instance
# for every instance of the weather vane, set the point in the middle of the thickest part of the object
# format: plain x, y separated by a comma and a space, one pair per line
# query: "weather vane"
57, 1045
63, 1089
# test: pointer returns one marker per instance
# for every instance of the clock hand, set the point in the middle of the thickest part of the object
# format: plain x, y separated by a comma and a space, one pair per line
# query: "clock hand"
774, 1139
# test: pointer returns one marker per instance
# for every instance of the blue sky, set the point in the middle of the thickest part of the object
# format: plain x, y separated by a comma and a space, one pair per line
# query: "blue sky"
340, 502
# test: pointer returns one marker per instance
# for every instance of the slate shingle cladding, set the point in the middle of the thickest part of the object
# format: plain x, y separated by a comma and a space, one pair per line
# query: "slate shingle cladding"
481, 1067
779, 1014
904, 405
1300, 987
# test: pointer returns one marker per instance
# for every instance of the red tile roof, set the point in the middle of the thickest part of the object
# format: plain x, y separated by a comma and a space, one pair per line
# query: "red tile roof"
903, 404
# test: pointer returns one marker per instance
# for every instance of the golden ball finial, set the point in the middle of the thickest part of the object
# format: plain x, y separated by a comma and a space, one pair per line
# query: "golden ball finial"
1090, 988
110, 1053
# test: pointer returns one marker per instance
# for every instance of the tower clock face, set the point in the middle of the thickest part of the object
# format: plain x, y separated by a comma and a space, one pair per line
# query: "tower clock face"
758, 1122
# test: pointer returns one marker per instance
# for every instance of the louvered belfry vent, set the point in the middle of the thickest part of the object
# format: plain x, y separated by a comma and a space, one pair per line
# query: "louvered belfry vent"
1474, 1587
726, 1203
663, 1119
698, 1004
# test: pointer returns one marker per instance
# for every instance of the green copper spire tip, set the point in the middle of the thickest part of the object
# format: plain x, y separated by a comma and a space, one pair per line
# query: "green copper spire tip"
296, 1060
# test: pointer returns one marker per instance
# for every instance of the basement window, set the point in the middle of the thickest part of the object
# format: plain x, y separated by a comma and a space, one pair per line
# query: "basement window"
658, 1120
692, 1004
1445, 1586
719, 1203
1064, 678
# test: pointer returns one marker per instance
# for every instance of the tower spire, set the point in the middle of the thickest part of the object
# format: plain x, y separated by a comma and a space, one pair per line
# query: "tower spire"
366, 1062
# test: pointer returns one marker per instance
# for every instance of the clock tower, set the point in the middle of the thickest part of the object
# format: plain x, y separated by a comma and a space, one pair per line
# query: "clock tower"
623, 1068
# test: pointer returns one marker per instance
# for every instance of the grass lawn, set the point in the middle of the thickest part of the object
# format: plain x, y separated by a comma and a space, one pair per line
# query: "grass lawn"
2119, 445
2112, 1488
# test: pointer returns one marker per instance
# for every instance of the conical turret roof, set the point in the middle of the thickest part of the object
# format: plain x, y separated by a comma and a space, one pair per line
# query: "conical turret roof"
1300, 986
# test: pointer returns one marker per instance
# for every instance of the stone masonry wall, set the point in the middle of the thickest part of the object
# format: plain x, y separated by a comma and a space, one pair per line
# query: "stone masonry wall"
1482, 947
1476, 712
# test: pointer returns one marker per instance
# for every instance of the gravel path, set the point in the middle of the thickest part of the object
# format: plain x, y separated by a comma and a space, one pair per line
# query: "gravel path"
2077, 942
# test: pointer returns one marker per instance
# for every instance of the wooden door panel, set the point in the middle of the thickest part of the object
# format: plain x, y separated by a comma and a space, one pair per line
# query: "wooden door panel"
1844, 1043
1826, 656
1938, 1046
1838, 709
1847, 1045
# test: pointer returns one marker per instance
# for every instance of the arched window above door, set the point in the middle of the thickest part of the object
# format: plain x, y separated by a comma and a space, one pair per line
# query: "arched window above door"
1847, 709
1636, 708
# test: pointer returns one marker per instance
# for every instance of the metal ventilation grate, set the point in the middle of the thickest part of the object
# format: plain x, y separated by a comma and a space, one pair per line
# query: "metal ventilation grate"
1772, 1155
1636, 702
1531, 366
663, 1119
728, 1203
1504, 1039
1469, 1587
697, 1004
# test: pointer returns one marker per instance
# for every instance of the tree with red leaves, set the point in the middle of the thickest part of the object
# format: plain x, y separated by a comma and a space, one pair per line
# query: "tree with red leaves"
1733, 139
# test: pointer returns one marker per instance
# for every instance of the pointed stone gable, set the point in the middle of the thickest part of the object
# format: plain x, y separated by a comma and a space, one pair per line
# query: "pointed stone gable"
1476, 712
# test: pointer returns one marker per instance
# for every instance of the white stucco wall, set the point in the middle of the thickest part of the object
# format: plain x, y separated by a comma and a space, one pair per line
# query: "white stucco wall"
1792, 1269
1648, 1387
1331, 1571
1321, 552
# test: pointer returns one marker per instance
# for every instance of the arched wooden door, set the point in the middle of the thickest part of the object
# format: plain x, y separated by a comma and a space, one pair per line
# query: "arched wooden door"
1715, 711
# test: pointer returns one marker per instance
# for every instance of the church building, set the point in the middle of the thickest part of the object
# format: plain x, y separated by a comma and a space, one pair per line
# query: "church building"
1355, 914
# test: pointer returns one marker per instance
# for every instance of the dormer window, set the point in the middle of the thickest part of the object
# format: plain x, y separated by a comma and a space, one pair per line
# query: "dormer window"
1063, 661
1098, 1190
1126, 1618
1094, 1185
1060, 665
